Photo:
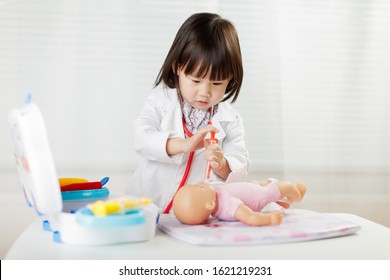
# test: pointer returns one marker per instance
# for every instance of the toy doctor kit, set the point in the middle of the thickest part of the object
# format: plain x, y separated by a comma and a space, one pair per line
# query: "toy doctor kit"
127, 219
77, 192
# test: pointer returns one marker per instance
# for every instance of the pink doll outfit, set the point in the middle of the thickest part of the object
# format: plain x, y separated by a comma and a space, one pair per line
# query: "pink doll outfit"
231, 195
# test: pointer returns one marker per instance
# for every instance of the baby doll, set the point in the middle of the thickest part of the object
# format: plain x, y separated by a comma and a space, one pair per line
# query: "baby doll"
193, 204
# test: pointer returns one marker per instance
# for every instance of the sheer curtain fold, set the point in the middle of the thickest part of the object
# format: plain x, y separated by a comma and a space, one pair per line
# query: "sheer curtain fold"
315, 94
334, 84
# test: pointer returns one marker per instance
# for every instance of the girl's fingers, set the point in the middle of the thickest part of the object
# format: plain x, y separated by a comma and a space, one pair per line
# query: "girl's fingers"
207, 142
207, 129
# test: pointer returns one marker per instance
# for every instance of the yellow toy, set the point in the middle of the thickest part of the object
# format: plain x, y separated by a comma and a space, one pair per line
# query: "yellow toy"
68, 181
117, 206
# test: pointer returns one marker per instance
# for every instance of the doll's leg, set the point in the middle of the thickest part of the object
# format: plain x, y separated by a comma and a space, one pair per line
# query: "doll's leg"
285, 203
289, 192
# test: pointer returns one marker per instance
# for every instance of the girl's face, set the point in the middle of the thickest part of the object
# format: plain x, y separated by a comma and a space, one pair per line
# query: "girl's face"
201, 92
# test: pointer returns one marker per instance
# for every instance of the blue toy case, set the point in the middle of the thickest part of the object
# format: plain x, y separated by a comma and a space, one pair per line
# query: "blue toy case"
41, 188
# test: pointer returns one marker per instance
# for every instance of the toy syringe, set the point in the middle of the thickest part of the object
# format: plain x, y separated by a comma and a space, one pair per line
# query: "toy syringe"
117, 206
212, 140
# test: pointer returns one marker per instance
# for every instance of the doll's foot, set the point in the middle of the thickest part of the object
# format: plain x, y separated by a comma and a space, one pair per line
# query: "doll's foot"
275, 217
302, 189
284, 203
290, 193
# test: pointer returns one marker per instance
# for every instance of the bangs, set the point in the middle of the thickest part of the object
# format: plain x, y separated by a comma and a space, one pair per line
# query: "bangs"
199, 61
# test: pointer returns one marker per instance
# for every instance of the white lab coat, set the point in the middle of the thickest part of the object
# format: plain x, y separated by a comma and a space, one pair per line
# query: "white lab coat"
158, 175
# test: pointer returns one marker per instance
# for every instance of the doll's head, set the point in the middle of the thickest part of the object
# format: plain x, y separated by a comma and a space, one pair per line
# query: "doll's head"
193, 204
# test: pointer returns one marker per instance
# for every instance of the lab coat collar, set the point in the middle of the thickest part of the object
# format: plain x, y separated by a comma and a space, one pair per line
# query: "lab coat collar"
225, 114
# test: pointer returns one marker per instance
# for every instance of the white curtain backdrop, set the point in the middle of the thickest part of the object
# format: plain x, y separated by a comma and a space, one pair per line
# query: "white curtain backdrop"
316, 87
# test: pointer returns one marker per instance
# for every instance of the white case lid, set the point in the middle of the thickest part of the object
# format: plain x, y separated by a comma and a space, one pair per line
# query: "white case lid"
34, 159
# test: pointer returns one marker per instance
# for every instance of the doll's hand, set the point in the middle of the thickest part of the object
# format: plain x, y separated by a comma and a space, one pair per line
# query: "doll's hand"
253, 218
276, 217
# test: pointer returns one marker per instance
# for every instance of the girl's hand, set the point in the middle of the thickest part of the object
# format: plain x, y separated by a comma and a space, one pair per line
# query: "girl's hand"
215, 156
197, 140
179, 145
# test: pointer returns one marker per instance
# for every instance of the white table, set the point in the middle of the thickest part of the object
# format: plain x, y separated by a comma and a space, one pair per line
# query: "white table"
371, 242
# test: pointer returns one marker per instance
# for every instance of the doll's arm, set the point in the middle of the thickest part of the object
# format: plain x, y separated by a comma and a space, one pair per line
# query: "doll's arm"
247, 216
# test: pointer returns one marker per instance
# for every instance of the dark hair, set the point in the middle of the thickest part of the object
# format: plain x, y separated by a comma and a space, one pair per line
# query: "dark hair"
205, 42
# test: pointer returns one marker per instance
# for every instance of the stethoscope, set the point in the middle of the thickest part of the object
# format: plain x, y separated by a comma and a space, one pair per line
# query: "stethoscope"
187, 170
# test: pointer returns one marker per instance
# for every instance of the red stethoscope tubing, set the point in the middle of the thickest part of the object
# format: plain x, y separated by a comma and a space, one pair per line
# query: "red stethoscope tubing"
187, 170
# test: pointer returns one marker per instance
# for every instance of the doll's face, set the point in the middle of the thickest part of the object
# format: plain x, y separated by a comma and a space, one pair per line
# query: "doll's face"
193, 204
203, 188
